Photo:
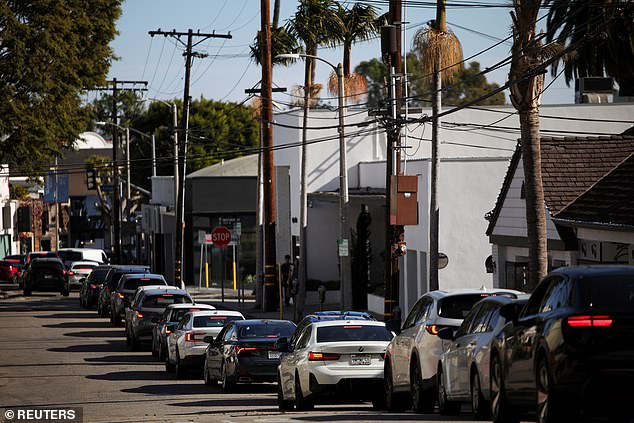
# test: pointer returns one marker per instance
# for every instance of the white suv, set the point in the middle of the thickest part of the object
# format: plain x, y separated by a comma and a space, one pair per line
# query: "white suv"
411, 361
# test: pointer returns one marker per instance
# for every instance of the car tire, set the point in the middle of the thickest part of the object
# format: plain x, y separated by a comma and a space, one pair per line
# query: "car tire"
209, 381
227, 384
282, 404
423, 400
501, 410
302, 403
180, 369
379, 403
549, 408
154, 350
27, 292
134, 343
445, 406
169, 367
115, 319
103, 312
479, 406
394, 402
65, 292
14, 280
161, 352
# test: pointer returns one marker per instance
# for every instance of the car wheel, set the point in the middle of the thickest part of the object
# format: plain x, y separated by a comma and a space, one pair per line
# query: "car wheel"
161, 352
65, 292
445, 406
548, 406
134, 343
302, 403
379, 403
394, 402
27, 292
169, 367
501, 411
209, 381
116, 319
227, 384
81, 301
180, 369
423, 400
14, 280
103, 312
282, 404
154, 349
478, 404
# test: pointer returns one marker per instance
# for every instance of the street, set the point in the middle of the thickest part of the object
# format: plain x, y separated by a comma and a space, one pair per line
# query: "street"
54, 354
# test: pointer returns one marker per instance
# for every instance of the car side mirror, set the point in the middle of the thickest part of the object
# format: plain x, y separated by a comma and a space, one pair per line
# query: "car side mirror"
208, 339
282, 344
394, 325
154, 320
509, 312
446, 334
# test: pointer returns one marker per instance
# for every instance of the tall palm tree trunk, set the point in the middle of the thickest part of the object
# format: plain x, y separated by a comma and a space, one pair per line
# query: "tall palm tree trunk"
276, 13
434, 209
534, 190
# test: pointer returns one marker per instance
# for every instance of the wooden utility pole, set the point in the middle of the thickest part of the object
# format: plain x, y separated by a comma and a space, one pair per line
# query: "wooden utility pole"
182, 168
114, 85
268, 174
393, 233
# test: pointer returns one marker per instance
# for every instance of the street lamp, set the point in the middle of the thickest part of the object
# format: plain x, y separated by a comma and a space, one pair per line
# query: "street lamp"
345, 289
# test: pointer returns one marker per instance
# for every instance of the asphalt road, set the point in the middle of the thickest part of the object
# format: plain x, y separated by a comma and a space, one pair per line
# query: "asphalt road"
54, 354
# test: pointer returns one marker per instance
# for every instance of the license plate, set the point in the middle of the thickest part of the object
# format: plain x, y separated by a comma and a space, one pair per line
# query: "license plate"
274, 354
360, 360
48, 276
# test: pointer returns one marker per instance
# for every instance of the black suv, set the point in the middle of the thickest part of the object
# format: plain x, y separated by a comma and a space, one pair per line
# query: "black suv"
110, 284
121, 297
46, 274
89, 290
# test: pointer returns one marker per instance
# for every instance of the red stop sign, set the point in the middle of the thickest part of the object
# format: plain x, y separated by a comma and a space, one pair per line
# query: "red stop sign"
221, 236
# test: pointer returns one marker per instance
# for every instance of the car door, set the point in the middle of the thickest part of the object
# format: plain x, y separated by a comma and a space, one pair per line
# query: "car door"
300, 357
402, 344
214, 352
174, 338
184, 326
228, 350
456, 355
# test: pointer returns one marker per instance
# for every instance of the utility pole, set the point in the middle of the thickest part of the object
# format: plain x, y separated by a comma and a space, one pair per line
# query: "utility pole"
182, 169
393, 233
116, 191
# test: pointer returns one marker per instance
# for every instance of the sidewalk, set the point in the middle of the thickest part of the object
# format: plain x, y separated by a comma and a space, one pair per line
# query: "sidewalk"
247, 306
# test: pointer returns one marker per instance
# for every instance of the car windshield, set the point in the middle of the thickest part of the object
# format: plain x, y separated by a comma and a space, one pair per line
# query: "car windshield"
133, 284
57, 265
615, 294
85, 266
266, 330
458, 306
98, 275
163, 300
70, 255
213, 321
345, 333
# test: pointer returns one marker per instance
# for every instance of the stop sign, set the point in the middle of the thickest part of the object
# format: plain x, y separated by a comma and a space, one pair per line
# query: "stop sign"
221, 236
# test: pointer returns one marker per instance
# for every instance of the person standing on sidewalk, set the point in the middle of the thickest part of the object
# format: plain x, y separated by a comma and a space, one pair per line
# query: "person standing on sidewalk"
285, 268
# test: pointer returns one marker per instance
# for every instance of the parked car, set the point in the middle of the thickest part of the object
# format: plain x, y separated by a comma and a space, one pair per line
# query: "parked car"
79, 270
463, 370
121, 297
89, 290
337, 359
9, 270
46, 274
570, 350
186, 345
323, 316
149, 302
69, 255
166, 324
245, 352
29, 258
411, 360
110, 283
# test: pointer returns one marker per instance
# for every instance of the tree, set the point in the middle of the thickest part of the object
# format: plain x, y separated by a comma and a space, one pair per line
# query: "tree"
470, 85
603, 35
526, 89
50, 51
358, 24
375, 73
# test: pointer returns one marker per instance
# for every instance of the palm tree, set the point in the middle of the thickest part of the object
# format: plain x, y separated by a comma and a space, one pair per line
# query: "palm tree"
314, 23
359, 24
441, 55
603, 33
526, 88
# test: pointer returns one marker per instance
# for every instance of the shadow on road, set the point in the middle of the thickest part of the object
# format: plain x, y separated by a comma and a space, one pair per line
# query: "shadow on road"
81, 325
109, 347
346, 415
171, 389
76, 315
122, 359
113, 333
262, 403
131, 375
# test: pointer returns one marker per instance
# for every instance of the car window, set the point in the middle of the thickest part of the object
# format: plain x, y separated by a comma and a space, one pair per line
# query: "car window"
465, 326
213, 321
352, 333
133, 284
482, 321
414, 313
613, 295
304, 337
457, 306
184, 322
229, 335
298, 331
166, 315
84, 266
163, 300
268, 330
535, 301
557, 296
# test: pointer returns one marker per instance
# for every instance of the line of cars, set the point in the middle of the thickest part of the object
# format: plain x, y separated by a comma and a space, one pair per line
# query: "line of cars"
565, 351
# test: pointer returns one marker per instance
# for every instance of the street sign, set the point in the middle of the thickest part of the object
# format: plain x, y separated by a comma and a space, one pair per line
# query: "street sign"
201, 237
343, 247
221, 236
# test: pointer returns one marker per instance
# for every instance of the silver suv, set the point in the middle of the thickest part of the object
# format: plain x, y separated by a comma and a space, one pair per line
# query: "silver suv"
412, 357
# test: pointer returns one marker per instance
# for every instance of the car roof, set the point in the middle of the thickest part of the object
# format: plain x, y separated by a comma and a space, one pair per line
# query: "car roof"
84, 262
262, 322
595, 270
47, 260
142, 275
338, 315
354, 322
188, 305
160, 289
215, 313
438, 294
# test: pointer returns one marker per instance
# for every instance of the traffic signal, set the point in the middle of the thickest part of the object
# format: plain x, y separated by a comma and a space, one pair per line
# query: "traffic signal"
91, 179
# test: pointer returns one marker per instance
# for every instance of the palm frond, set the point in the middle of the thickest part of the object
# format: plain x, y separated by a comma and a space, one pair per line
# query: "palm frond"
431, 44
355, 87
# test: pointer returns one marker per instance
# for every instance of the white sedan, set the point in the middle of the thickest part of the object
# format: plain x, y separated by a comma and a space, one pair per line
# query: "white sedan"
333, 359
186, 345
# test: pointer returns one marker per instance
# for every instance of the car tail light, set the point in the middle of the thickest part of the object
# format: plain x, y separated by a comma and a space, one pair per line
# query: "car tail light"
70, 273
191, 337
589, 321
167, 330
93, 286
433, 329
145, 279
139, 315
241, 349
121, 296
316, 356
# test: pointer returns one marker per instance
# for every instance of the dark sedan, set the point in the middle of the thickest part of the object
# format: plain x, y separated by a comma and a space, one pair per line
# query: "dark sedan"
570, 351
245, 351
89, 290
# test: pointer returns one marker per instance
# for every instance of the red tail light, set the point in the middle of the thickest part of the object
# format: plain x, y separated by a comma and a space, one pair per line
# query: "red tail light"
432, 329
241, 349
71, 273
317, 356
589, 321
190, 337
93, 286
167, 330
121, 296
139, 315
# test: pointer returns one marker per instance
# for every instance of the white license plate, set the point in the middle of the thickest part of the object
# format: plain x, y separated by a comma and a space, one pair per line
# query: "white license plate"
48, 276
274, 354
360, 360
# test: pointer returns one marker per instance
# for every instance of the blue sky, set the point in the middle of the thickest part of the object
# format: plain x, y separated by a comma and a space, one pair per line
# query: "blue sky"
159, 60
